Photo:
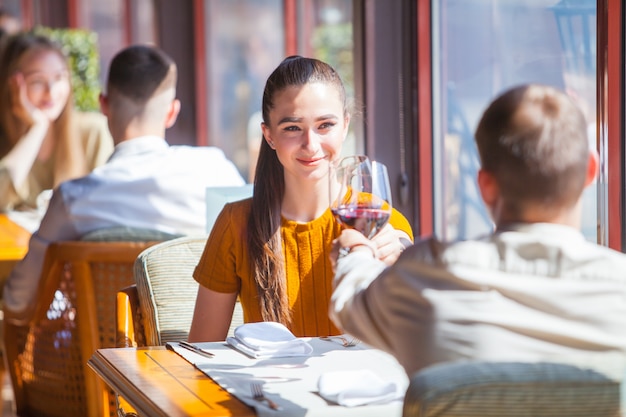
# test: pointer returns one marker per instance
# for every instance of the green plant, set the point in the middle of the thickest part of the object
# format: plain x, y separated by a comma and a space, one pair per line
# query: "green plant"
81, 48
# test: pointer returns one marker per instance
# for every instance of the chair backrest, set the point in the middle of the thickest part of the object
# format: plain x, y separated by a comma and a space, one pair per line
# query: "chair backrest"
74, 316
511, 389
127, 234
166, 288
166, 291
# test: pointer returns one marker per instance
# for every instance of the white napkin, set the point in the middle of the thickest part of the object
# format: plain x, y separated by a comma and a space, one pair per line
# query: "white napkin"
354, 388
268, 340
28, 219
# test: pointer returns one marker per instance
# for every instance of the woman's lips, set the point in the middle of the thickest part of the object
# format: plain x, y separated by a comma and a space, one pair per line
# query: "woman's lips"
47, 105
310, 161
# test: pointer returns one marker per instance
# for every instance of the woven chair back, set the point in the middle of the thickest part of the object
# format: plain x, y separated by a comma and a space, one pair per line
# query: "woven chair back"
160, 307
75, 315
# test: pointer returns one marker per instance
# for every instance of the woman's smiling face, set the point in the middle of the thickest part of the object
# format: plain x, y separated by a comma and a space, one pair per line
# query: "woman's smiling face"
47, 81
307, 127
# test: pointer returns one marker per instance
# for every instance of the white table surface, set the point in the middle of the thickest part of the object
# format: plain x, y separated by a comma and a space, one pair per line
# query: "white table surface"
292, 382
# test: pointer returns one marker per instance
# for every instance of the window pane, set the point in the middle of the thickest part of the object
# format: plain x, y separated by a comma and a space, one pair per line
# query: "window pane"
13, 7
143, 18
325, 33
245, 42
521, 41
106, 19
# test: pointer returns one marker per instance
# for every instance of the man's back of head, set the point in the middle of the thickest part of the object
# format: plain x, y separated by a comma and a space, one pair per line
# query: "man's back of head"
141, 91
532, 140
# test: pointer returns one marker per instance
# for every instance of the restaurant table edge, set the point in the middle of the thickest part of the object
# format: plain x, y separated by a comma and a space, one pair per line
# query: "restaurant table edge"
183, 383
13, 239
13, 246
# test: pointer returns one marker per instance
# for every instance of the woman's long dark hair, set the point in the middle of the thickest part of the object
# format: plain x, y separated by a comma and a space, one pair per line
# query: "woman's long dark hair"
264, 240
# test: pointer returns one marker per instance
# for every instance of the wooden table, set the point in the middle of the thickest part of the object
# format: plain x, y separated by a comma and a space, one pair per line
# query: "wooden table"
158, 382
13, 245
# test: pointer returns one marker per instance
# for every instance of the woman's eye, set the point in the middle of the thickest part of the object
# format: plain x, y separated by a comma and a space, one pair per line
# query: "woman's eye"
36, 84
292, 128
36, 81
61, 77
327, 125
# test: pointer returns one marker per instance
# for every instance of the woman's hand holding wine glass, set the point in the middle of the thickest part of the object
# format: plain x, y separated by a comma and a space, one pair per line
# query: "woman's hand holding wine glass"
360, 198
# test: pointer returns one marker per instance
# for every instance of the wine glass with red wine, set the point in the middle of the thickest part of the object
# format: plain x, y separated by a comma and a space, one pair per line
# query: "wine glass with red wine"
360, 194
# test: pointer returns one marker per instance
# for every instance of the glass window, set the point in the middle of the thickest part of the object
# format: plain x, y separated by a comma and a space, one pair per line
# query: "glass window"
143, 17
13, 7
105, 18
518, 41
330, 40
245, 42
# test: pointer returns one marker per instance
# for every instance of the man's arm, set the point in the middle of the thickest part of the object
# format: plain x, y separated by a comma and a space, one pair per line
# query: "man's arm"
354, 273
384, 306
357, 263
22, 285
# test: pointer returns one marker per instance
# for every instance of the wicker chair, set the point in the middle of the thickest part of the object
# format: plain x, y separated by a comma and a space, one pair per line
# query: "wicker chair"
159, 308
75, 315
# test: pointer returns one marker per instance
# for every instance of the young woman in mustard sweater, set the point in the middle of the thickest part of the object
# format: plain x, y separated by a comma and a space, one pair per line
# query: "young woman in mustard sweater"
272, 251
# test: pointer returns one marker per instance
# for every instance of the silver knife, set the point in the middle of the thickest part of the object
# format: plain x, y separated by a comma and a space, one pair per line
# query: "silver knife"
195, 349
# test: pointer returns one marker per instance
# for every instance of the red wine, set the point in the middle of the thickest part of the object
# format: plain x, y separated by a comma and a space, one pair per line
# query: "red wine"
364, 219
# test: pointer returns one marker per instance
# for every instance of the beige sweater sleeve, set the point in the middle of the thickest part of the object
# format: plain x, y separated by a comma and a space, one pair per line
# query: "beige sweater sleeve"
8, 194
98, 146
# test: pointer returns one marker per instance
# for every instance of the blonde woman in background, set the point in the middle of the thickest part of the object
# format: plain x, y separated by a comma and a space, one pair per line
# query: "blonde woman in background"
43, 140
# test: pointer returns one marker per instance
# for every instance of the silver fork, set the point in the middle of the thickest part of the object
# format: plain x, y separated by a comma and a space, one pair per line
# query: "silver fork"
352, 342
257, 394
345, 342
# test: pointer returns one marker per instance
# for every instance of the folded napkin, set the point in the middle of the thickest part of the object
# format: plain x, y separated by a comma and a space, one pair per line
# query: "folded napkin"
268, 340
354, 388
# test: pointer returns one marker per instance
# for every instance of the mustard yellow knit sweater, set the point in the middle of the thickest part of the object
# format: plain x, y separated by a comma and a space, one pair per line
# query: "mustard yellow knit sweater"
225, 266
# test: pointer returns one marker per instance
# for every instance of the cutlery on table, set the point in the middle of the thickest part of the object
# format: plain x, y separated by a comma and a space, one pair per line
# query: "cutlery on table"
258, 395
195, 349
344, 341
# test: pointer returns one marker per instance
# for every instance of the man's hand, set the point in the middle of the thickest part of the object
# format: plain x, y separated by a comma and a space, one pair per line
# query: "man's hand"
350, 240
386, 245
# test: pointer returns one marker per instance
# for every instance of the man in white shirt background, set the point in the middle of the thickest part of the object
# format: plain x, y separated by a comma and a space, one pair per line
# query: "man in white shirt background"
533, 290
146, 184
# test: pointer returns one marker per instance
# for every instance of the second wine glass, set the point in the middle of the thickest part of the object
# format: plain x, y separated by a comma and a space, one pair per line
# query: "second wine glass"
360, 194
